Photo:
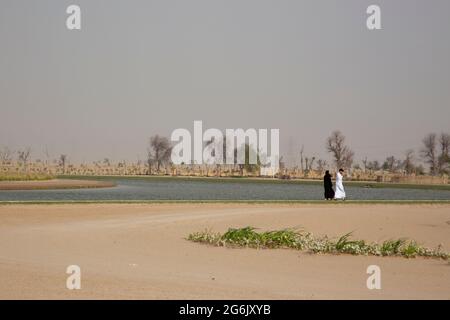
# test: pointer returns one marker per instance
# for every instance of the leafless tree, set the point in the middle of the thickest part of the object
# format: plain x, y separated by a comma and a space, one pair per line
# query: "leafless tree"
47, 154
301, 158
281, 163
373, 165
309, 162
342, 154
249, 152
5, 155
392, 164
62, 162
429, 153
364, 162
321, 165
419, 170
158, 152
408, 163
23, 157
444, 156
47, 159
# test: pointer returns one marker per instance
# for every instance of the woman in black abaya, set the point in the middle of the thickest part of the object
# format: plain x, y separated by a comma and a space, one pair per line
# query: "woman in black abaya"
328, 185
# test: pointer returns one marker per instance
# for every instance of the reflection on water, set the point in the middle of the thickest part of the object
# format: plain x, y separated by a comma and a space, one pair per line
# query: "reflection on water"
172, 189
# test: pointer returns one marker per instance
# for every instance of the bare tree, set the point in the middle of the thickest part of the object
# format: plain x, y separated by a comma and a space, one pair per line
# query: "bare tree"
373, 165
23, 157
5, 156
419, 170
47, 159
408, 163
321, 165
429, 153
301, 158
62, 162
364, 162
281, 164
342, 154
444, 156
392, 164
249, 152
47, 154
158, 152
309, 162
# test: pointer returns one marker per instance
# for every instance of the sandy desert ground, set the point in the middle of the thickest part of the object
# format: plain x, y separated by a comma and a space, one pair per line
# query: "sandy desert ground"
138, 251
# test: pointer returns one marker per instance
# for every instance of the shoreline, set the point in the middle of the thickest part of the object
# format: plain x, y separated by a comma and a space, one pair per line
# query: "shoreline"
53, 184
268, 180
237, 202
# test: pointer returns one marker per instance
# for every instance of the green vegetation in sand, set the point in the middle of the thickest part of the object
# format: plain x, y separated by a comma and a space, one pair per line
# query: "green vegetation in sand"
306, 241
25, 176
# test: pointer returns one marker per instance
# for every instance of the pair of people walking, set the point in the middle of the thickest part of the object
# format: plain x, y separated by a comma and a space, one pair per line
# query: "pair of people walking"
330, 194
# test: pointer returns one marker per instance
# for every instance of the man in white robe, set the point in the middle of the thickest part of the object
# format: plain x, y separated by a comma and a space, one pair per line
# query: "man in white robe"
340, 192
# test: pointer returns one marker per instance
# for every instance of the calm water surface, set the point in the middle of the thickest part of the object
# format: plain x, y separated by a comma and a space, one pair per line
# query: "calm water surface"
173, 189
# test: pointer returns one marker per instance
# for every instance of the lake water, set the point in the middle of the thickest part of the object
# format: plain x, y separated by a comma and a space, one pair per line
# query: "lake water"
175, 189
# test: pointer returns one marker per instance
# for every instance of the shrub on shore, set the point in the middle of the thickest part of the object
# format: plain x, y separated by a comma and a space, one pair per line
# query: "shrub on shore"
305, 241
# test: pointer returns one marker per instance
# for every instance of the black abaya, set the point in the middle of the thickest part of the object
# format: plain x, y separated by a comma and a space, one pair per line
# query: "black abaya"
328, 185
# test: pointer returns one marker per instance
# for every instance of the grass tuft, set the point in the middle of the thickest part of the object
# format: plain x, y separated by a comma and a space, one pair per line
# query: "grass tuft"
391, 247
305, 241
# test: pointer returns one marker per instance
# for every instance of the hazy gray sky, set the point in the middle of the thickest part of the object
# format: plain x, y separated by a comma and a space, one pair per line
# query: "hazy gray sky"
143, 67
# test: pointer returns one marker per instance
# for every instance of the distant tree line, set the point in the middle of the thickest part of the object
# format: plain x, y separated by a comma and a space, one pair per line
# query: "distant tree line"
434, 153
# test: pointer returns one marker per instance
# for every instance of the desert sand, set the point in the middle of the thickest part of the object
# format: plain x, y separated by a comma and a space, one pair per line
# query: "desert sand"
139, 251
